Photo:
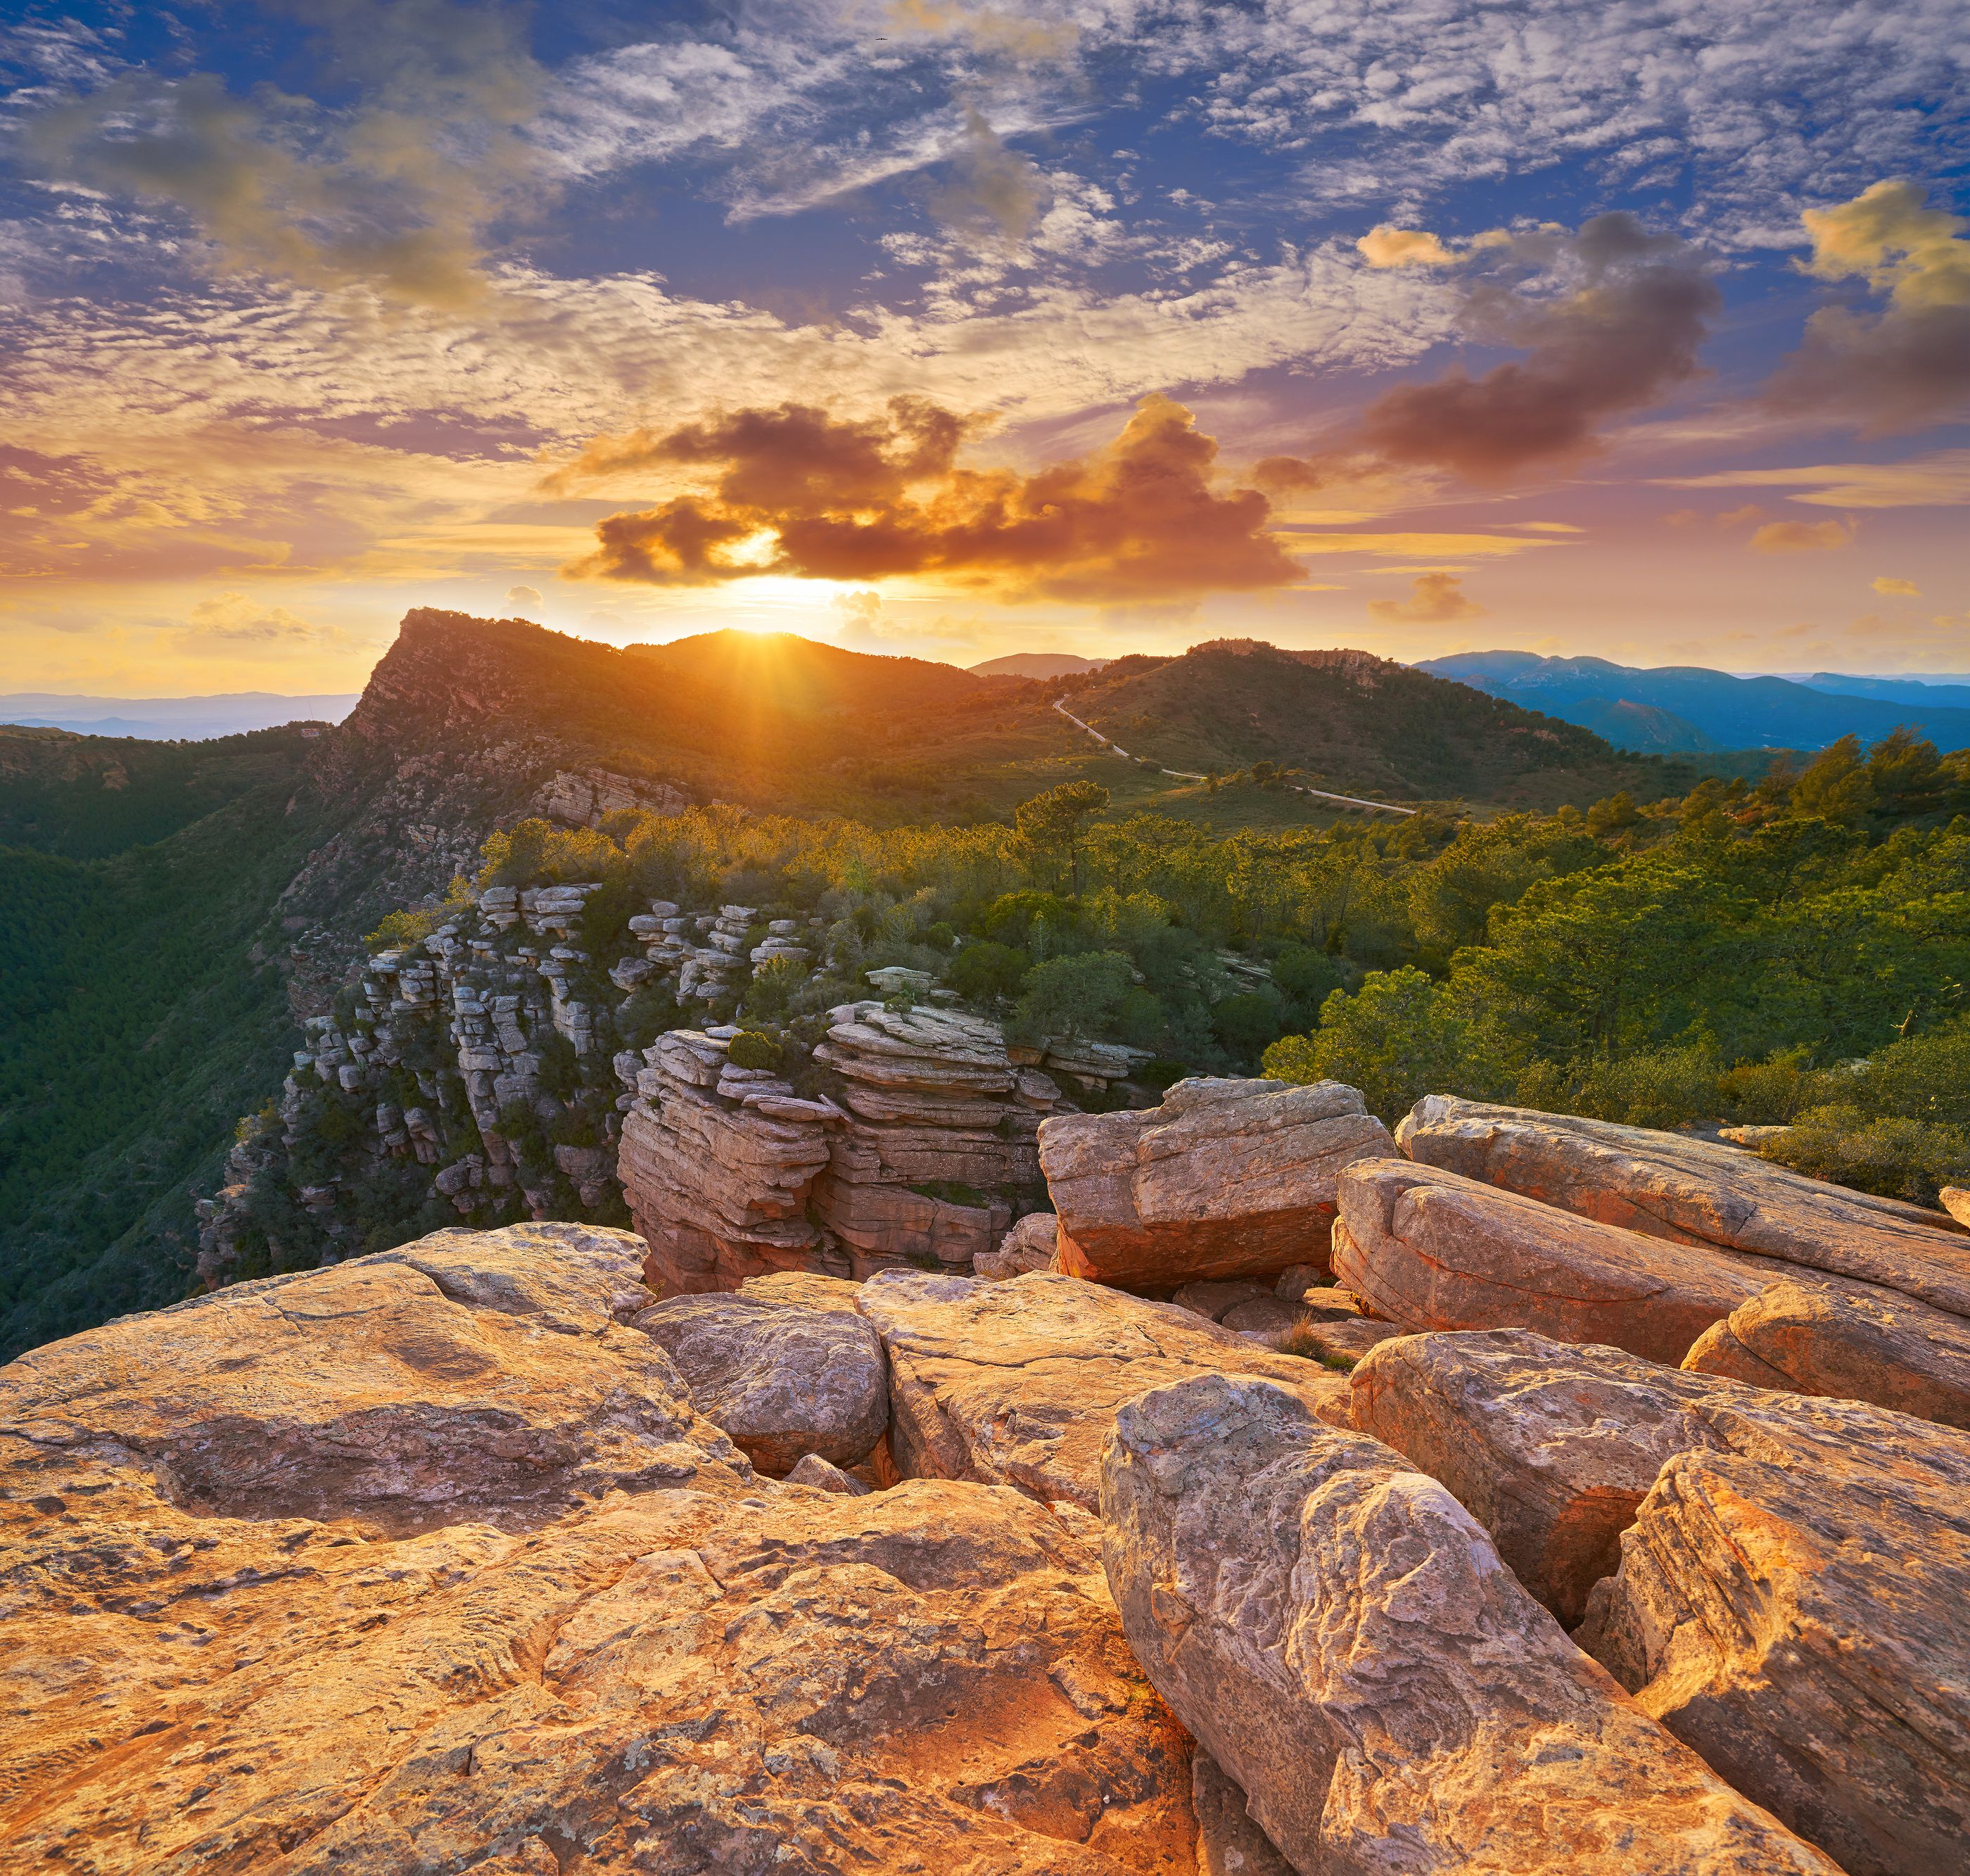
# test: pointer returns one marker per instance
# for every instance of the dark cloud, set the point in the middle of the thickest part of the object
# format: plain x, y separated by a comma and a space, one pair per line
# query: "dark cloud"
797, 490
1627, 332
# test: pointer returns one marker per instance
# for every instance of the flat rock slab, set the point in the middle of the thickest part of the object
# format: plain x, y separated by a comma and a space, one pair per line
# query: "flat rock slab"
783, 1380
1799, 1616
1017, 1383
1813, 1338
1343, 1639
1696, 1191
1428, 1248
1226, 1178
807, 1289
710, 1674
485, 1376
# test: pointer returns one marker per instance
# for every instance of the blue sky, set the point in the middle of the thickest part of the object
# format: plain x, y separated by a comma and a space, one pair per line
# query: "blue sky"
1642, 329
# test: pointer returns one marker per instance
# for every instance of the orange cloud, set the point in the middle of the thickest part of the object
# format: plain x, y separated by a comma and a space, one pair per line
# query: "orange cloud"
798, 491
1801, 537
1435, 600
1387, 246
1897, 589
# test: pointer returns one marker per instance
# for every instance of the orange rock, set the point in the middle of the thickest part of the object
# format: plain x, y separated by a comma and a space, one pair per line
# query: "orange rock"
1693, 1191
1431, 1249
1226, 1178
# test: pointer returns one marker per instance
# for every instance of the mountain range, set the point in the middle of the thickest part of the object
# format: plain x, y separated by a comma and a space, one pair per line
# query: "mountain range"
163, 719
1678, 708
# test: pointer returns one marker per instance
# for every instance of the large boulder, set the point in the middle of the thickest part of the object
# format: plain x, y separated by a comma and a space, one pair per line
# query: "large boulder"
1552, 1447
233, 1639
1695, 1191
1226, 1178
1794, 1575
1855, 1344
1017, 1383
1806, 1629
1229, 1843
470, 1376
783, 1380
1342, 1638
1431, 1249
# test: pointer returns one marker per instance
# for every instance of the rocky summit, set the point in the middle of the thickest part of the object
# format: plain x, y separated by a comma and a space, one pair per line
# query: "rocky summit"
940, 1479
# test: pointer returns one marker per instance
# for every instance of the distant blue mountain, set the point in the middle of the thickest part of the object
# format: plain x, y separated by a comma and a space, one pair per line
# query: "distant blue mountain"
168, 718
1697, 709
1937, 693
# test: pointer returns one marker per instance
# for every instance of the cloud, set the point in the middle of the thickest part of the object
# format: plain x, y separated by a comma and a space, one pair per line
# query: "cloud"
1940, 479
1896, 589
993, 189
233, 623
1740, 517
393, 192
521, 600
1385, 246
1907, 366
1626, 333
797, 490
1802, 537
1435, 600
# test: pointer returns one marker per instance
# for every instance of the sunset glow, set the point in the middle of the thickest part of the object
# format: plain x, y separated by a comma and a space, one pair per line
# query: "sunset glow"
961, 330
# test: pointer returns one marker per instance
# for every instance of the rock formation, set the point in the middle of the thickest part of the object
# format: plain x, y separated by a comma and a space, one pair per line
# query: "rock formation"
1226, 1178
1816, 1339
782, 1381
1017, 1383
1343, 1639
1694, 1192
424, 1562
1433, 1250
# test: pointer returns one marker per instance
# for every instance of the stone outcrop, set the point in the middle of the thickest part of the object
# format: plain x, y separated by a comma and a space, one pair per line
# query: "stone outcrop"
1954, 1201
1228, 1842
718, 1165
423, 1563
1030, 1245
1694, 1191
939, 1152
1804, 1629
1342, 1638
782, 1381
1226, 1178
1428, 1248
1017, 1383
808, 1288
1814, 1339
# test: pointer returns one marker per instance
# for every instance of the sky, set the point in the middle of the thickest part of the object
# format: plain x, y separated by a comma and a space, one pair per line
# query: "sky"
1640, 330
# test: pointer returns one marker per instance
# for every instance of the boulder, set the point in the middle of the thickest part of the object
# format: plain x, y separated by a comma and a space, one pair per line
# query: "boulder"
1806, 1629
807, 1289
1228, 1842
1855, 1345
1017, 1383
1796, 1611
718, 1676
484, 1376
1695, 1191
1226, 1178
1029, 1245
1215, 1300
1428, 1248
1955, 1200
784, 1381
1343, 1639
811, 1469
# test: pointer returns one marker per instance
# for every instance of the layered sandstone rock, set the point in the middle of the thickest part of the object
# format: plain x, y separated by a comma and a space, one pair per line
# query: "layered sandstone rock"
1693, 1191
1226, 1178
1431, 1249
1805, 1628
1343, 1639
938, 1144
782, 1381
1814, 1339
718, 1172
1017, 1383
238, 1638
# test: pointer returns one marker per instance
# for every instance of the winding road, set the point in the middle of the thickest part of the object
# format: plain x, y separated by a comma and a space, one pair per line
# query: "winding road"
1185, 775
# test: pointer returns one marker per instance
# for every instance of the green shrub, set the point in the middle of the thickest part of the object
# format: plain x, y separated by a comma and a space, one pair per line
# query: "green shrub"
984, 971
1891, 1154
753, 1048
1073, 996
